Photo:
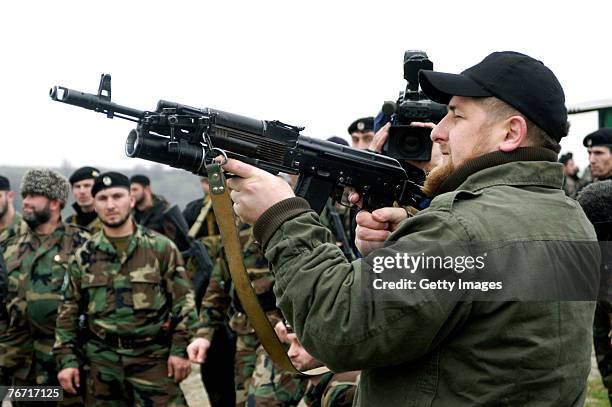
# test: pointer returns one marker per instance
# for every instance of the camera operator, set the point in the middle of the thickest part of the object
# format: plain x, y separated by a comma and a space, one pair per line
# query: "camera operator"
500, 182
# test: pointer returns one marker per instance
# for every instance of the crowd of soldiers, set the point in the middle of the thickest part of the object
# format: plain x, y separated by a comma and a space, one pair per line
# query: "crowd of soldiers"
104, 303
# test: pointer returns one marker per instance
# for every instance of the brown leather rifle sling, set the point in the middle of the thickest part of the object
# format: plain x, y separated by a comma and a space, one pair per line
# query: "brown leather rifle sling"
224, 214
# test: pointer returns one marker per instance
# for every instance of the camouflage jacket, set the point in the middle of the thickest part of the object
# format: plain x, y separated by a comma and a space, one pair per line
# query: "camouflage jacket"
35, 269
331, 390
132, 296
17, 227
86, 220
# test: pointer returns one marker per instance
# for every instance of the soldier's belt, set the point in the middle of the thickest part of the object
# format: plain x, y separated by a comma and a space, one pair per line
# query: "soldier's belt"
113, 340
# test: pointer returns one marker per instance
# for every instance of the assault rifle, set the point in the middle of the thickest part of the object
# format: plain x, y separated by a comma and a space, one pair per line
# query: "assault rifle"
189, 138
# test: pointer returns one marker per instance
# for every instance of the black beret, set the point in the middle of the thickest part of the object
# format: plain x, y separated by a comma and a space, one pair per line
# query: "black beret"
110, 180
83, 173
5, 184
338, 140
140, 179
601, 137
565, 158
363, 124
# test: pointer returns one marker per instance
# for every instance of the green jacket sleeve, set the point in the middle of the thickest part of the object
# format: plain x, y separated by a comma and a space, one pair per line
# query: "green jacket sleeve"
320, 293
183, 304
66, 330
215, 304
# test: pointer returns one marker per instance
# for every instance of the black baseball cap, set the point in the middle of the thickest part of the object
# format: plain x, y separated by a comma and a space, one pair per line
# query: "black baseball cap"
517, 79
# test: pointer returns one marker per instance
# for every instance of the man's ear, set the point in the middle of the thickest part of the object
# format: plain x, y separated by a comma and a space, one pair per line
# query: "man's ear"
132, 201
516, 133
55, 205
10, 195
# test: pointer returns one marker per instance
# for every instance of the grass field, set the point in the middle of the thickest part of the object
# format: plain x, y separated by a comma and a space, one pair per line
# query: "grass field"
598, 396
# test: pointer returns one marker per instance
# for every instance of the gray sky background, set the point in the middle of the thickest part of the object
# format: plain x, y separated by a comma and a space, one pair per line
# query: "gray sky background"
318, 64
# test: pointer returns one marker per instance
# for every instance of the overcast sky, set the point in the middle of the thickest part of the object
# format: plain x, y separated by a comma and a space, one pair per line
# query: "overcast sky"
318, 64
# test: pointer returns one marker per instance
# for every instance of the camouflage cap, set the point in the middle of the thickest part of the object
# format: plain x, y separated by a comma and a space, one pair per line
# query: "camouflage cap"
45, 182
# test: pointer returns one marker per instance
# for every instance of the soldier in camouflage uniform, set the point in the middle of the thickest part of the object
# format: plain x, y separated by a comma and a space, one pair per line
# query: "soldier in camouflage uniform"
36, 264
84, 215
258, 380
11, 222
131, 283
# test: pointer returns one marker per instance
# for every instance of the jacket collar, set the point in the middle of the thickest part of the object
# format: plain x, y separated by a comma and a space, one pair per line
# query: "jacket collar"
523, 166
101, 242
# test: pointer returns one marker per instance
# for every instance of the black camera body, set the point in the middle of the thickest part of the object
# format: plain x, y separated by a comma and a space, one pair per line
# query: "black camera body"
406, 142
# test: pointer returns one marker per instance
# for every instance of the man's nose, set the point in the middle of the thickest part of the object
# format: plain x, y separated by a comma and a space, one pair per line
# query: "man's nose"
439, 133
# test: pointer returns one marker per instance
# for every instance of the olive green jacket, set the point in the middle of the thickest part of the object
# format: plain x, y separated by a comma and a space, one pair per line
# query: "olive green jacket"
432, 348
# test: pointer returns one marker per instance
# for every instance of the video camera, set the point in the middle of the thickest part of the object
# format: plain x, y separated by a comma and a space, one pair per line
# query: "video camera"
407, 142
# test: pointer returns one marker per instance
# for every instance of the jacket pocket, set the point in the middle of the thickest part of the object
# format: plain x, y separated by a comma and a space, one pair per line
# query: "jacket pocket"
146, 288
95, 288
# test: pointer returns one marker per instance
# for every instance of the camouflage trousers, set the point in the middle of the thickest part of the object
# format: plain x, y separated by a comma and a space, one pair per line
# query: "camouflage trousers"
68, 399
117, 379
259, 381
39, 369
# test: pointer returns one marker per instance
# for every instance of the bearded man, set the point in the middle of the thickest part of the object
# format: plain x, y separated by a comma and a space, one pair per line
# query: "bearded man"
36, 263
500, 183
11, 222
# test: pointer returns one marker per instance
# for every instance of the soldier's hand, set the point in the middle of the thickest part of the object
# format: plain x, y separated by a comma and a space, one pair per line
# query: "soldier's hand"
255, 191
70, 379
374, 228
197, 350
179, 368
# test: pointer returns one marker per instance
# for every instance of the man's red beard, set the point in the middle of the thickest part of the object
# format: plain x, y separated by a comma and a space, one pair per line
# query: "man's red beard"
436, 177
439, 174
